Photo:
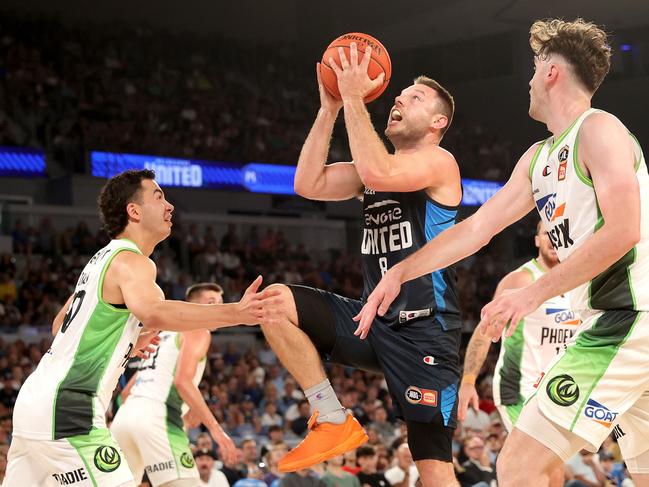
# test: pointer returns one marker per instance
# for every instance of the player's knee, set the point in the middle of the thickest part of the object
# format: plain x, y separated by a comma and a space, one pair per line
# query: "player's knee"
437, 474
286, 302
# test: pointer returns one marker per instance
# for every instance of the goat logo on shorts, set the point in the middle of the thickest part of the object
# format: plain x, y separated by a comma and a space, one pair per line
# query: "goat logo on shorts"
563, 390
107, 459
186, 460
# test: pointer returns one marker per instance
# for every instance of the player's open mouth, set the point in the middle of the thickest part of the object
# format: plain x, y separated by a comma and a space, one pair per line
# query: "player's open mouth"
395, 115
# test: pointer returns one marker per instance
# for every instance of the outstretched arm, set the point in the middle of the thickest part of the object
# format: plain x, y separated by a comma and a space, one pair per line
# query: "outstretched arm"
479, 347
508, 205
313, 178
193, 348
135, 276
605, 149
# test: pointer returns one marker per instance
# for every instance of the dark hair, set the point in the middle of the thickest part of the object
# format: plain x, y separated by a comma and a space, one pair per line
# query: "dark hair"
365, 451
116, 194
195, 289
447, 107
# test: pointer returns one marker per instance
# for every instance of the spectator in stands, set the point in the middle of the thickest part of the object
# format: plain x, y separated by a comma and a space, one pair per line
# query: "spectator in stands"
335, 476
583, 469
477, 468
272, 459
253, 478
301, 478
209, 476
404, 473
300, 424
368, 476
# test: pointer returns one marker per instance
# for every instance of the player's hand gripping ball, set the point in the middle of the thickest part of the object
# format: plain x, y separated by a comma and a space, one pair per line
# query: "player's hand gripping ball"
379, 62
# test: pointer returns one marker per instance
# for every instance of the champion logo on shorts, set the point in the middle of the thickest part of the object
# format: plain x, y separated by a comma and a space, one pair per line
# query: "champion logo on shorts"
599, 413
425, 397
430, 360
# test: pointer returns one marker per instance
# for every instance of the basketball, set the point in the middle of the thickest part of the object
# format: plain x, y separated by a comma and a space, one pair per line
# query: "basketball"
379, 62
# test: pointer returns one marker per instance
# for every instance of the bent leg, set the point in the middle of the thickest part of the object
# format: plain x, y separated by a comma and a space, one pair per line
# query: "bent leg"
292, 346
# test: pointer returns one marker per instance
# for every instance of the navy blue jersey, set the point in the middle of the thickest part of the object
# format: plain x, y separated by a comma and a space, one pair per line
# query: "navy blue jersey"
396, 225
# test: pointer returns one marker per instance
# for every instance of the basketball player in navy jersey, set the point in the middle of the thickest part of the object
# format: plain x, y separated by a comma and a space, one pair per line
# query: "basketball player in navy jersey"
408, 198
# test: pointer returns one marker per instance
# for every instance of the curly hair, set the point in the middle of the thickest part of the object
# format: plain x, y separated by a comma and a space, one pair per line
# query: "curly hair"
582, 44
116, 194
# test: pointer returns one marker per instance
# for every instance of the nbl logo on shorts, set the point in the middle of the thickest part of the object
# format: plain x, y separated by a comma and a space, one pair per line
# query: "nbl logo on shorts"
425, 397
107, 459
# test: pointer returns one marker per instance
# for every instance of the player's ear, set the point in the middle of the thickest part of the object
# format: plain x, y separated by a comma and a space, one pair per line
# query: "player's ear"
440, 121
133, 211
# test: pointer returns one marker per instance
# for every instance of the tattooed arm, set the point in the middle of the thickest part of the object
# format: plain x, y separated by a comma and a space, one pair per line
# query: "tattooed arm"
479, 347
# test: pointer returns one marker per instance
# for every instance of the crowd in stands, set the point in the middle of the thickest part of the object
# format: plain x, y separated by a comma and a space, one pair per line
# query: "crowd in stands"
72, 88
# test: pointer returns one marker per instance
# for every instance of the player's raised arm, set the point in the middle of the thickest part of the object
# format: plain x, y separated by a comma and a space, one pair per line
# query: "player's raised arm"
508, 205
313, 178
135, 276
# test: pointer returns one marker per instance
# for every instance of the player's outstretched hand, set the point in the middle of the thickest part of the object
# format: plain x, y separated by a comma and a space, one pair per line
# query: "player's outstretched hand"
353, 79
146, 344
327, 102
468, 397
256, 307
378, 302
227, 448
508, 309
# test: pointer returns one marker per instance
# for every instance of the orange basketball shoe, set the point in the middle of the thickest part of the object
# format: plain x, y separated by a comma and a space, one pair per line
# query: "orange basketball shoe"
324, 441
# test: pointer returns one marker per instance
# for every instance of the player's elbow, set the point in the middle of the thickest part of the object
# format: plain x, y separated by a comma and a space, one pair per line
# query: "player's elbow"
302, 189
152, 317
630, 237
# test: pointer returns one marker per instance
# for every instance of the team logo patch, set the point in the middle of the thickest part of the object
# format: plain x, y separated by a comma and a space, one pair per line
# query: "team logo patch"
426, 397
107, 459
563, 162
430, 360
186, 460
599, 413
562, 390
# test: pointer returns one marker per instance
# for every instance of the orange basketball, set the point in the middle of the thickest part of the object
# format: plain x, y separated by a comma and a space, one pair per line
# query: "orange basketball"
379, 62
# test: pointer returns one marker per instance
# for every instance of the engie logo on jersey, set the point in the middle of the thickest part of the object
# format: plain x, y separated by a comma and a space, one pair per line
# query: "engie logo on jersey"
425, 397
599, 413
384, 231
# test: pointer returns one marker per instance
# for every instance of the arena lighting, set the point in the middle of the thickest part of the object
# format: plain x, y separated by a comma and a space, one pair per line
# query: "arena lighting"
22, 162
625, 47
254, 177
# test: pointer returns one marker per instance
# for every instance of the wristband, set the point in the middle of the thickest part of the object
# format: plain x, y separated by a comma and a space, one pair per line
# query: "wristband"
469, 379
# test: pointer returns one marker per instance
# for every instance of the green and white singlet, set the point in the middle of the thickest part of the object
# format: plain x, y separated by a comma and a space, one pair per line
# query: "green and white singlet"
539, 337
155, 377
567, 203
600, 380
70, 390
